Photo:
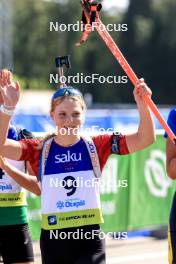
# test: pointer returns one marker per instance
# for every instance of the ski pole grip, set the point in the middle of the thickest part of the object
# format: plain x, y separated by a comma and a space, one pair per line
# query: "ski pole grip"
65, 60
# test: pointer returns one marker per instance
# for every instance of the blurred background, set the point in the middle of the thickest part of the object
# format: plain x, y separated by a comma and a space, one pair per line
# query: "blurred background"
29, 48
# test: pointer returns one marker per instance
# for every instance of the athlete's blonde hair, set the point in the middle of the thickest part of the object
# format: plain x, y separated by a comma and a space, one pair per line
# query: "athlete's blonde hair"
58, 101
75, 98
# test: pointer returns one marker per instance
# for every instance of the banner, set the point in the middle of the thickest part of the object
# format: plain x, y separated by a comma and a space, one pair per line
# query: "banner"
146, 201
114, 193
34, 215
150, 189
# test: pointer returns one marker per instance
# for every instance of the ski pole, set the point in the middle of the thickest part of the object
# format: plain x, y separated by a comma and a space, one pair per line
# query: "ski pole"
124, 64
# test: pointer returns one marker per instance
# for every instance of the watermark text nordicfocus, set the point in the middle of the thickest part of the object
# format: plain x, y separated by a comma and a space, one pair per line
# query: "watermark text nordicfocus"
81, 78
81, 234
78, 26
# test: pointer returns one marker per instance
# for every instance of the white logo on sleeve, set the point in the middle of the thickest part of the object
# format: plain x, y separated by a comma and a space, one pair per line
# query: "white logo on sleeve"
68, 157
155, 174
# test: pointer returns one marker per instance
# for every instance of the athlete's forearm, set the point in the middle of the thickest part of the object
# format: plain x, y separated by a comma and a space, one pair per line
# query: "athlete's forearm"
9, 92
27, 181
4, 125
146, 130
145, 134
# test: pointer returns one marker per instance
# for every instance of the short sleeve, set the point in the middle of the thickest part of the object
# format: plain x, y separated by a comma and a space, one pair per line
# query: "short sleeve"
110, 144
30, 153
118, 144
12, 133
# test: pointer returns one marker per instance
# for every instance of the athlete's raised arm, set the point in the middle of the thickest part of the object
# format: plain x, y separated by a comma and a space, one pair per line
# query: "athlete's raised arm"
145, 134
9, 97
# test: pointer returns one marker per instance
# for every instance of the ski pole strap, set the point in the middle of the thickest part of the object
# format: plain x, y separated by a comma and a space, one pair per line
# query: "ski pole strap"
90, 13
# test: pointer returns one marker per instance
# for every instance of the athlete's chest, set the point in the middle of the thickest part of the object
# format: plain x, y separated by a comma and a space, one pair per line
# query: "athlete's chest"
71, 159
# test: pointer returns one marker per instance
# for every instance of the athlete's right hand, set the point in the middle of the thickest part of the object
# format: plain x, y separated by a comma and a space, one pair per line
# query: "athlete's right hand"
9, 89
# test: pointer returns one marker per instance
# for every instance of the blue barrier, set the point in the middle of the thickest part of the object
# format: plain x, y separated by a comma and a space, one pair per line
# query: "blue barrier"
119, 119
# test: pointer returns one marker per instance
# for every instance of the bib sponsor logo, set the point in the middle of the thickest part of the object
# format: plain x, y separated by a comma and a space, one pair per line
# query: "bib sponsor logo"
91, 147
10, 199
70, 203
52, 220
61, 158
5, 187
93, 153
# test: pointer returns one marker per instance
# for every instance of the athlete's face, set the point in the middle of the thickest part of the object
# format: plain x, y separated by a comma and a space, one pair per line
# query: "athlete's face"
68, 116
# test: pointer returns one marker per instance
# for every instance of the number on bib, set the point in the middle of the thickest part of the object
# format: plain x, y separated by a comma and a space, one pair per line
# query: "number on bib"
69, 184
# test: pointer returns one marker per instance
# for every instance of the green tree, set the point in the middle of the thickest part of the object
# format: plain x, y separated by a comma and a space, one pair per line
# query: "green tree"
149, 46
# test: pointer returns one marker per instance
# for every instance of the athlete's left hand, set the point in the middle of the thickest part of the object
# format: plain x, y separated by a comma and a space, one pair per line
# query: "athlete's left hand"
141, 90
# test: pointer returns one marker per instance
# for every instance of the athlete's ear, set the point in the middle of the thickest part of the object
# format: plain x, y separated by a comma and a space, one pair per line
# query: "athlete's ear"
53, 117
51, 114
